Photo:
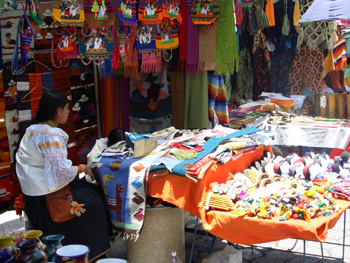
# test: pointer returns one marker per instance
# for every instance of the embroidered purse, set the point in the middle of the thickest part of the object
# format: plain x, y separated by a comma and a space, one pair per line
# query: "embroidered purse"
167, 38
66, 47
97, 46
145, 39
59, 205
68, 12
205, 13
127, 16
171, 11
150, 12
99, 13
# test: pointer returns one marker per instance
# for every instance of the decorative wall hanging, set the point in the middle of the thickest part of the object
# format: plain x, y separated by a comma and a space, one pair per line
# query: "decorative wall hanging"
97, 46
150, 12
99, 13
68, 12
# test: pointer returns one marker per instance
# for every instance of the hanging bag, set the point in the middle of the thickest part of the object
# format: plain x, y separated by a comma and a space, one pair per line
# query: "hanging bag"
68, 12
96, 46
99, 13
204, 14
24, 39
167, 38
64, 39
171, 12
59, 204
127, 16
150, 12
145, 39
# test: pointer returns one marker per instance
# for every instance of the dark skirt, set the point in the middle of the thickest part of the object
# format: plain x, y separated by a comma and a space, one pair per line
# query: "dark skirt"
93, 228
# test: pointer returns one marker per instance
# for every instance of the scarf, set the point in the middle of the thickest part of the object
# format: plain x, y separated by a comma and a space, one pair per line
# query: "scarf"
196, 101
131, 65
207, 49
217, 99
151, 64
192, 48
226, 42
183, 35
4, 141
178, 99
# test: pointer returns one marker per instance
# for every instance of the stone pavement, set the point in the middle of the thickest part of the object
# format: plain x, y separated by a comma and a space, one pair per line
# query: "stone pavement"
284, 251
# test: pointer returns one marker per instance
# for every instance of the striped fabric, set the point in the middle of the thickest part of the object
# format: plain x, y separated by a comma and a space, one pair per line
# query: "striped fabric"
335, 80
4, 142
339, 53
217, 99
205, 12
36, 91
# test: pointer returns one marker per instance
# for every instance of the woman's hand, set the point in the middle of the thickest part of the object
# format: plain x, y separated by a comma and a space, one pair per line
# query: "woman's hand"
89, 177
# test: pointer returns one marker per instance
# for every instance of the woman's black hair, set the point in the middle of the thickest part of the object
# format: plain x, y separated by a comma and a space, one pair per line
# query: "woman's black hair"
48, 105
116, 135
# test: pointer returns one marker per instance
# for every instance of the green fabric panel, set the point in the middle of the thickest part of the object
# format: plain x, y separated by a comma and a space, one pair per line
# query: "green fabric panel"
196, 101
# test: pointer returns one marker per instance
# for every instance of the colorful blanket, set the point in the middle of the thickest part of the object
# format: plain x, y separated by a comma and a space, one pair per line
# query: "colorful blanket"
125, 186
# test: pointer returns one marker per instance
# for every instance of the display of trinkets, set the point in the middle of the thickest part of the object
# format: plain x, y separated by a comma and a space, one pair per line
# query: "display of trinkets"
292, 187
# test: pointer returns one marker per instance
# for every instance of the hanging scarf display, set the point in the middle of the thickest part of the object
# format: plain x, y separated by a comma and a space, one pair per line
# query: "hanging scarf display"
4, 141
183, 35
178, 99
207, 49
217, 99
226, 42
23, 101
192, 48
339, 53
307, 71
196, 101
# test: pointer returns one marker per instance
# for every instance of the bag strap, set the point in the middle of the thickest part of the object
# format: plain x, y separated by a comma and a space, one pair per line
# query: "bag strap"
14, 64
170, 57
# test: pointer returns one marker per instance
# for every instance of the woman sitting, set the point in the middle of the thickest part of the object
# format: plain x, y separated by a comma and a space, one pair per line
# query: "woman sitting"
42, 168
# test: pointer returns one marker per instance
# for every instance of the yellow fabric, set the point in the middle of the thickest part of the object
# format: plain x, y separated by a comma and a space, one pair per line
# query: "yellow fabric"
329, 62
56, 14
347, 82
296, 14
172, 45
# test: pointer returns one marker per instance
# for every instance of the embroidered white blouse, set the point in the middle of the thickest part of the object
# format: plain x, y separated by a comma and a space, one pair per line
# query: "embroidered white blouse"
42, 165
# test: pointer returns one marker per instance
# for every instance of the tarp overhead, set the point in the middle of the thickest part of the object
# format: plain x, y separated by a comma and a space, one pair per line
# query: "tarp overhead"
323, 10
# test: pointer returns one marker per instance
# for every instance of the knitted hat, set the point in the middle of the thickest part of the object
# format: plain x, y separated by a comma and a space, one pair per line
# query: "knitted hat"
345, 156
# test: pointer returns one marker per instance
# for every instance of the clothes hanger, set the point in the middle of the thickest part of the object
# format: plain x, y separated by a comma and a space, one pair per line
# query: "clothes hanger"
40, 63
37, 86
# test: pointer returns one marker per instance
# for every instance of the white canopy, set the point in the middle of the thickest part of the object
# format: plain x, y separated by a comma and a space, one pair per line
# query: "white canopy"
323, 10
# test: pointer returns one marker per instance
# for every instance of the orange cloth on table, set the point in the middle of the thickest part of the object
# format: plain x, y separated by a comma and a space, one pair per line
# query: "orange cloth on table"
191, 197
284, 104
270, 13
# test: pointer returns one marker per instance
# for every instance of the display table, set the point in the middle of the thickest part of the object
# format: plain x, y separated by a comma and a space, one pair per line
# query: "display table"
191, 197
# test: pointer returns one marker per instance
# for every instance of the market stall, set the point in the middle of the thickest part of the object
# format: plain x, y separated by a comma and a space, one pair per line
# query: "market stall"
192, 197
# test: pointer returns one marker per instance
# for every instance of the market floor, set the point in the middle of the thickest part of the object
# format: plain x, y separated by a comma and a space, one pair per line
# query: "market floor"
284, 251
